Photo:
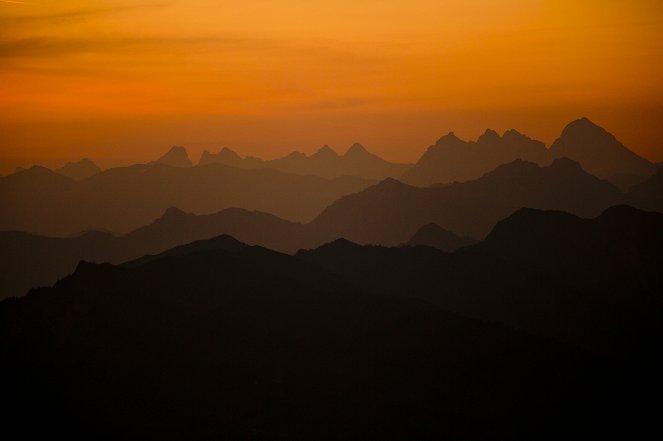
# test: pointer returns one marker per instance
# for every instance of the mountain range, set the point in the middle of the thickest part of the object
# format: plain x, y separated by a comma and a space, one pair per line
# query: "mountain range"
594, 283
228, 341
41, 201
451, 159
389, 213
356, 161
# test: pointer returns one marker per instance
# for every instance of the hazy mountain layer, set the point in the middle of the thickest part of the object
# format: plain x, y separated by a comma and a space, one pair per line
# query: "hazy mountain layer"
121, 199
389, 213
357, 161
599, 152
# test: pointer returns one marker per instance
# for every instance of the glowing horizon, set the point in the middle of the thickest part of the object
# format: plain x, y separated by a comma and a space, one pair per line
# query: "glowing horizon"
120, 81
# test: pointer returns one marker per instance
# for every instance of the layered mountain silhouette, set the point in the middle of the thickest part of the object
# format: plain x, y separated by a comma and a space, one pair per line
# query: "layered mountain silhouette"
432, 235
648, 195
391, 212
357, 161
599, 152
121, 199
79, 170
452, 159
595, 283
239, 342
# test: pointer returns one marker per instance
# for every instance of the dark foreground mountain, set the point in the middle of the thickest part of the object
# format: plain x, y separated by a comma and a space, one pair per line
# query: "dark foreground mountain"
29, 261
245, 343
79, 170
121, 199
590, 282
356, 161
648, 195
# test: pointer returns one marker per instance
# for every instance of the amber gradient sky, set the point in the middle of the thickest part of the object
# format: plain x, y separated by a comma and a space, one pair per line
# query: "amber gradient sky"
121, 81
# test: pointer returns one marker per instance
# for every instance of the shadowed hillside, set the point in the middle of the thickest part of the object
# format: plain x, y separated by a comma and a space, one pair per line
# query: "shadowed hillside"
433, 235
248, 343
592, 282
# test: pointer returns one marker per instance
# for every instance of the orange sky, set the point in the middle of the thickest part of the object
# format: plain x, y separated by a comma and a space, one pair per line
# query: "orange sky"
121, 81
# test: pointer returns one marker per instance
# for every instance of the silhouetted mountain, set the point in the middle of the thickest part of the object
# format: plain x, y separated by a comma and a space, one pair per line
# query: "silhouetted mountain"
357, 161
253, 344
601, 154
121, 199
390, 212
79, 170
590, 282
433, 235
29, 261
648, 195
452, 159
175, 157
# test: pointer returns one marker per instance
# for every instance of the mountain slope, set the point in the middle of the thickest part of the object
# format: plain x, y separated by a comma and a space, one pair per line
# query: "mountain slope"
249, 344
600, 153
433, 235
590, 282
391, 212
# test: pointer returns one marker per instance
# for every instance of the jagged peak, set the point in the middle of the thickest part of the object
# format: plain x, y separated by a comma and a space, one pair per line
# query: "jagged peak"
514, 134
177, 156
449, 137
356, 149
489, 135
325, 150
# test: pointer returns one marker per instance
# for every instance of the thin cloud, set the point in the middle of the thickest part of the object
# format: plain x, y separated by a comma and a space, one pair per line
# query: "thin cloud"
78, 14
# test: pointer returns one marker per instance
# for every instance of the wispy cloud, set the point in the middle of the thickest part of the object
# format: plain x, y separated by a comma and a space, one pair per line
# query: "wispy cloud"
71, 15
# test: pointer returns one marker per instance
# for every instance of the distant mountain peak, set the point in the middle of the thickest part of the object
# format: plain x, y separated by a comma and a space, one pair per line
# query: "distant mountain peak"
325, 151
513, 134
177, 156
79, 170
172, 213
356, 150
228, 152
449, 137
489, 136
584, 127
